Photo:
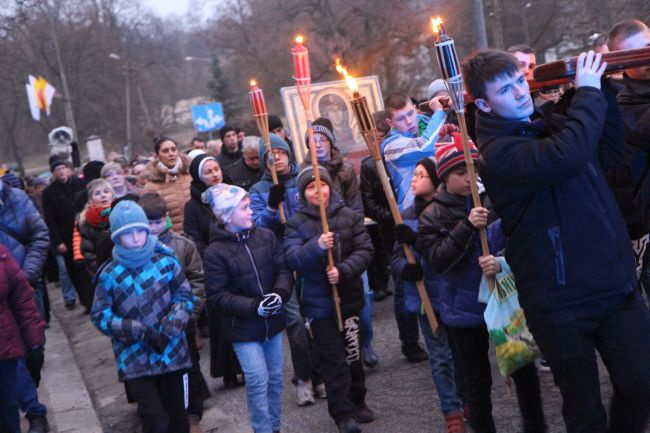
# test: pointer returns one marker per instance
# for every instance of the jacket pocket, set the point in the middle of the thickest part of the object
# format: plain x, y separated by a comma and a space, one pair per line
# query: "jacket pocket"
556, 241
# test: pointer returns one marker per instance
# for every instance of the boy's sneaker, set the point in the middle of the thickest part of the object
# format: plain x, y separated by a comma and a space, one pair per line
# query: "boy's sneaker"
38, 424
319, 391
369, 357
455, 423
363, 414
414, 352
304, 393
195, 426
544, 365
349, 426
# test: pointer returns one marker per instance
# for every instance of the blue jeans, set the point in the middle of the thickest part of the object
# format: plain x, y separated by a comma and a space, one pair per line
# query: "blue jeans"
298, 341
69, 292
9, 416
365, 316
442, 366
261, 362
26, 391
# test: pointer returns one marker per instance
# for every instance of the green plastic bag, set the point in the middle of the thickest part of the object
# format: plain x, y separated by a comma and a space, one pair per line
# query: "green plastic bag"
506, 323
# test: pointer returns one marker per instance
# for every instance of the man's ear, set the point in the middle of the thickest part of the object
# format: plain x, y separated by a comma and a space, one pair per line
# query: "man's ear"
482, 105
389, 122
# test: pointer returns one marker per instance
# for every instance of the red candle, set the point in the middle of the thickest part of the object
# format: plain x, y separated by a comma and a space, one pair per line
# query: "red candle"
300, 55
257, 100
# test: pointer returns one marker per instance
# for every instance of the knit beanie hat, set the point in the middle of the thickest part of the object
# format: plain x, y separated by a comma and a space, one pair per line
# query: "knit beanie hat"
429, 164
127, 215
275, 122
276, 143
222, 200
306, 176
92, 170
57, 161
322, 126
449, 154
226, 129
436, 87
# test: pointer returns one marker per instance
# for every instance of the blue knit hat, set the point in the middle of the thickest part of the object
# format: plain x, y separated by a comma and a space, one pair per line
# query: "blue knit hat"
276, 143
127, 215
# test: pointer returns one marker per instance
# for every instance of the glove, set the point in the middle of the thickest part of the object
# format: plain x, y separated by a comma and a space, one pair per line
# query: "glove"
155, 339
268, 305
276, 196
412, 272
404, 234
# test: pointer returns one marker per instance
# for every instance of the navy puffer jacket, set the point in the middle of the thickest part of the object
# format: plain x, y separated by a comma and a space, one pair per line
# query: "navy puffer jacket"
353, 252
240, 268
23, 231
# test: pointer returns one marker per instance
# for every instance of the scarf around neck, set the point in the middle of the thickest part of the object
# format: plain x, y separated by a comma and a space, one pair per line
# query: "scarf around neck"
98, 216
171, 171
133, 258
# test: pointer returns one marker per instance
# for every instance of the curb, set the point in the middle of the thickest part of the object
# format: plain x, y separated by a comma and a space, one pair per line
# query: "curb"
70, 404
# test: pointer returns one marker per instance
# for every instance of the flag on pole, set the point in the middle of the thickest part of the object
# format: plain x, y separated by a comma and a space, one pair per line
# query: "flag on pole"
39, 95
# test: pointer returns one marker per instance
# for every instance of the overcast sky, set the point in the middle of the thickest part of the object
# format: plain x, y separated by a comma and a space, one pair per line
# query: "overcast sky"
178, 7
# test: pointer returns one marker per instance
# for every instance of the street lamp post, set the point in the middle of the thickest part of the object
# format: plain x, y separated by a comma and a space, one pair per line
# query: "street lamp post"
127, 90
525, 22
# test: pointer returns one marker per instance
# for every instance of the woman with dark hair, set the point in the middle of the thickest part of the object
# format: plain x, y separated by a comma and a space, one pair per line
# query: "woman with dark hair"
169, 176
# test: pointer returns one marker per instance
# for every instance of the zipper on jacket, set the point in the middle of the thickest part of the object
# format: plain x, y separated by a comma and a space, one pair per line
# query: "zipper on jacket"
259, 283
554, 233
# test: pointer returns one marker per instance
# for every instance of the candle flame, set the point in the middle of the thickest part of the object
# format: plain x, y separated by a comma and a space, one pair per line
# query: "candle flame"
253, 83
436, 23
352, 83
299, 39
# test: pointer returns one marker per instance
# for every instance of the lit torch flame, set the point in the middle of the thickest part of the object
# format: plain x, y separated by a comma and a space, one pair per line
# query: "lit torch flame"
299, 39
253, 83
352, 83
436, 23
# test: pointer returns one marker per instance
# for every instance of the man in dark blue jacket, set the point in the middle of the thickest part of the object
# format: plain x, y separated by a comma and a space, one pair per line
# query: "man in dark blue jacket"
567, 243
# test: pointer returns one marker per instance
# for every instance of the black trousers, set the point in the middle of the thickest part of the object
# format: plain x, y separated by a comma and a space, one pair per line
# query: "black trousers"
161, 402
470, 346
197, 387
623, 340
340, 365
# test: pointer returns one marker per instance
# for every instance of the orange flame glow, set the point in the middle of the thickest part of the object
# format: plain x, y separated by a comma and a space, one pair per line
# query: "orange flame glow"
352, 83
436, 23
299, 39
253, 83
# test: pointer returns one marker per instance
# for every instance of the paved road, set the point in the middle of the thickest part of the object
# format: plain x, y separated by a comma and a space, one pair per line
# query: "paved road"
401, 394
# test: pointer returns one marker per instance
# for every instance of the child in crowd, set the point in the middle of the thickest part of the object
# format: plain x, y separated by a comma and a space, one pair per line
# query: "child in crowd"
248, 279
424, 185
155, 208
143, 303
449, 242
306, 245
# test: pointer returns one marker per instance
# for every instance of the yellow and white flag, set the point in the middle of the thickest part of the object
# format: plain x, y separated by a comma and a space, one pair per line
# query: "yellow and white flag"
39, 95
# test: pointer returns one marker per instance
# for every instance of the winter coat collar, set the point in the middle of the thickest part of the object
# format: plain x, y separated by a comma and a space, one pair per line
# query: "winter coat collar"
635, 91
490, 127
218, 233
158, 176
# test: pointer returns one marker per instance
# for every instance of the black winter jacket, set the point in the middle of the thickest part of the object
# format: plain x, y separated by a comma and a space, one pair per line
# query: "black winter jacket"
197, 220
239, 269
353, 252
242, 175
60, 209
567, 243
375, 203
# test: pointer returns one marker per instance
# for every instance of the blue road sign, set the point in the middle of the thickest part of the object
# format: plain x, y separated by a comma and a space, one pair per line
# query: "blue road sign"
208, 117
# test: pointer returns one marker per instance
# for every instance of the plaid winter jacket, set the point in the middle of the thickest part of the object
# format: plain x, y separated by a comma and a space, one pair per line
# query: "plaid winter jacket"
128, 301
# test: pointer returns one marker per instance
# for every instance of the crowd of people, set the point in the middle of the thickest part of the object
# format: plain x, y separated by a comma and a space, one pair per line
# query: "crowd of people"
200, 242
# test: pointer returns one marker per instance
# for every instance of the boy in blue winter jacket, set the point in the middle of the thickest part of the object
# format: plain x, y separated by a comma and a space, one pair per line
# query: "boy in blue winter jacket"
449, 242
305, 246
568, 246
143, 302
424, 185
247, 277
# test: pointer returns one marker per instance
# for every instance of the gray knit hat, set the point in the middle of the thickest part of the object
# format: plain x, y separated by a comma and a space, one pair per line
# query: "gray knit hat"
306, 176
223, 199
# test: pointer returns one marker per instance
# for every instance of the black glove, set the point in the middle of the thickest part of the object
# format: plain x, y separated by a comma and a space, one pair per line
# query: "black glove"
279, 228
412, 272
276, 196
404, 234
155, 339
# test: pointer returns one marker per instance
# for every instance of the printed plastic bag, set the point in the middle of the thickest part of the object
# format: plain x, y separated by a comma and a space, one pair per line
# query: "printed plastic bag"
506, 323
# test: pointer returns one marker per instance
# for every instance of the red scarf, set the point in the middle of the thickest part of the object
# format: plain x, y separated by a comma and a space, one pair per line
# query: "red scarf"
98, 216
